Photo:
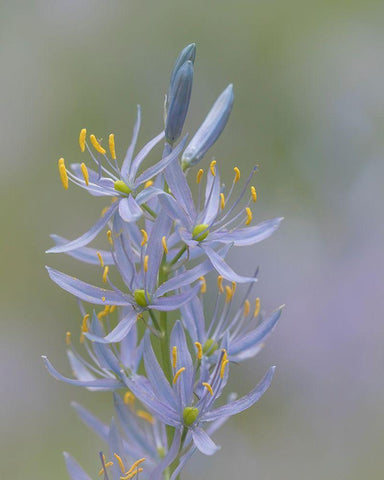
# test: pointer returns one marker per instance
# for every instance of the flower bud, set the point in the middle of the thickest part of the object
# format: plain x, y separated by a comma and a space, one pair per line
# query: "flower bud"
210, 129
180, 96
188, 53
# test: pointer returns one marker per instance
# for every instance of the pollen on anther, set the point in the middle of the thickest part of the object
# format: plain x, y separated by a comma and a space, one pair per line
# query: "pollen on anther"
145, 416
103, 299
199, 175
257, 307
83, 134
145, 263
228, 293
212, 167
84, 325
237, 175
174, 356
100, 259
248, 211
112, 308
253, 194
109, 236
203, 288
111, 143
129, 399
222, 370
84, 171
208, 387
164, 243
148, 184
96, 144
145, 237
120, 462
220, 283
105, 273
234, 285
199, 350
247, 308
68, 338
222, 201
177, 375
63, 173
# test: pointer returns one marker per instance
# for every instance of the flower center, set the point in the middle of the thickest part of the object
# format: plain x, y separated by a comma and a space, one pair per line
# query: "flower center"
200, 232
140, 298
189, 415
210, 347
122, 187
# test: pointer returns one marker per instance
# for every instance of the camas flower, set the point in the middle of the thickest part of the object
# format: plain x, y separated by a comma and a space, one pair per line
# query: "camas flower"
123, 184
216, 222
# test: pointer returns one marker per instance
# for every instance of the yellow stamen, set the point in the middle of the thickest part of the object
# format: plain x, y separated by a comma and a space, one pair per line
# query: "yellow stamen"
100, 259
83, 134
104, 211
129, 399
223, 365
68, 338
103, 299
104, 312
147, 184
247, 308
164, 243
253, 194
174, 356
234, 285
135, 465
237, 175
212, 167
225, 354
208, 387
145, 264
177, 374
96, 144
114, 199
120, 462
228, 294
199, 175
105, 273
203, 288
199, 350
106, 465
111, 142
257, 307
220, 284
109, 236
145, 237
63, 173
131, 475
84, 325
222, 201
145, 416
112, 308
249, 215
84, 171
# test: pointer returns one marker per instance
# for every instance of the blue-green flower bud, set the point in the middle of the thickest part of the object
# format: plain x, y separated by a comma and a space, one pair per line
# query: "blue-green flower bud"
188, 53
200, 232
209, 130
189, 415
180, 95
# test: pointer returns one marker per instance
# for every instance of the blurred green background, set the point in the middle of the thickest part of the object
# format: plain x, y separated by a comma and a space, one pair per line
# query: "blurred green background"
309, 103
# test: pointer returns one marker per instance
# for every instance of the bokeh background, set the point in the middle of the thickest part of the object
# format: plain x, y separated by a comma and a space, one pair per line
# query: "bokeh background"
309, 106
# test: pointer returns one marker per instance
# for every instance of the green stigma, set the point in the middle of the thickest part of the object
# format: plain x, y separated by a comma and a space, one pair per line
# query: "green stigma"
200, 232
140, 298
122, 187
210, 347
189, 415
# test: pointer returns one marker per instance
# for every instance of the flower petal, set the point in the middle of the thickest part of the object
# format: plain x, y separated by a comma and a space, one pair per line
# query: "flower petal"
92, 422
224, 269
204, 442
248, 236
157, 473
184, 360
85, 254
167, 304
140, 157
74, 469
129, 210
180, 189
119, 332
129, 155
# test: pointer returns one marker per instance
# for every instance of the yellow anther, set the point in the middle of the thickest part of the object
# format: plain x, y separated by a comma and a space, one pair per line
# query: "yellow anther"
83, 134
145, 263
104, 211
203, 288
237, 175
249, 215
103, 299
96, 144
208, 387
199, 175
228, 293
129, 399
68, 338
145, 416
109, 236
104, 312
164, 243
111, 143
220, 284
177, 374
114, 199
63, 173
212, 167
145, 237
199, 350
247, 308
174, 356
135, 465
234, 285
147, 184
112, 308
222, 370
84, 325
222, 201
84, 171
132, 474
120, 462
100, 259
105, 273
225, 354
253, 194
106, 465
257, 307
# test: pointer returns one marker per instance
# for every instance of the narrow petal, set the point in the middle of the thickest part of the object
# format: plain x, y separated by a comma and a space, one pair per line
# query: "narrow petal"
193, 318
167, 304
92, 422
140, 157
74, 469
248, 236
129, 155
157, 473
85, 254
129, 210
242, 403
184, 359
174, 210
224, 269
119, 332
204, 442
212, 199
115, 446
88, 236
180, 188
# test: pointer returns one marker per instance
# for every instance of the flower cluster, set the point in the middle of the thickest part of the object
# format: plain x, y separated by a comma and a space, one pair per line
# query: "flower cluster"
145, 333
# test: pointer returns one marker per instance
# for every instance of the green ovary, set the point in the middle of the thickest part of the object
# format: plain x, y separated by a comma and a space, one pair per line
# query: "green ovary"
210, 347
120, 186
189, 415
140, 299
200, 232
